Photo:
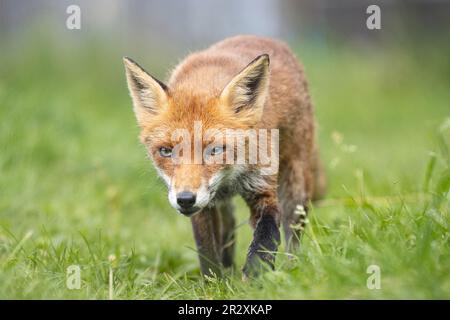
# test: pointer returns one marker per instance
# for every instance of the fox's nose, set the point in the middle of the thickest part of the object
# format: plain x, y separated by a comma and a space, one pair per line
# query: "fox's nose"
186, 199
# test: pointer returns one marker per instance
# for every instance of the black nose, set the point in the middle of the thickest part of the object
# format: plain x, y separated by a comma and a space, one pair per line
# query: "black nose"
186, 199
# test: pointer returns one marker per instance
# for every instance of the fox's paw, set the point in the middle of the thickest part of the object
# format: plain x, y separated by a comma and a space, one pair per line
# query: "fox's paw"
261, 253
257, 263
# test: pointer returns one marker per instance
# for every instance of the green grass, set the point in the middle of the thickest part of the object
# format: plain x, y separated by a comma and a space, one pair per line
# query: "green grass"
76, 187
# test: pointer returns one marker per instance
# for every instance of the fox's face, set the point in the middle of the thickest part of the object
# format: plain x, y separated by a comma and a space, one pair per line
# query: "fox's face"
185, 132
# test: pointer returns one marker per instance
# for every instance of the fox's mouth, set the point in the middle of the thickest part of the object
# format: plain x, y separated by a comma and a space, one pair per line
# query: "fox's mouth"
190, 211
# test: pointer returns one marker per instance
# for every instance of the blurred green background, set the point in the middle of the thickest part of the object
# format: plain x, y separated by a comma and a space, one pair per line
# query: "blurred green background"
76, 186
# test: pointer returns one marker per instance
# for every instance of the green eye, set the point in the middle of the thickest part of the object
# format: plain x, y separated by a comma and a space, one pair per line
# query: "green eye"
216, 150
165, 152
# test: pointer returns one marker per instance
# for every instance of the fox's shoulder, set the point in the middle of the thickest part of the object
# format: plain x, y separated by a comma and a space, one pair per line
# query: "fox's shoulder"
250, 43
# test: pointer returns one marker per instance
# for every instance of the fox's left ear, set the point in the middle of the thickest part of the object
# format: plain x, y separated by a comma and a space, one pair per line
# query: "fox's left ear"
246, 93
148, 93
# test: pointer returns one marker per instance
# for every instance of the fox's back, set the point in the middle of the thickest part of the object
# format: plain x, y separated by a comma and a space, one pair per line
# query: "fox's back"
207, 73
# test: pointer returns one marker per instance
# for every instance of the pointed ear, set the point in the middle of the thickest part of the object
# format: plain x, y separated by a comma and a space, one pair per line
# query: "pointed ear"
149, 95
246, 93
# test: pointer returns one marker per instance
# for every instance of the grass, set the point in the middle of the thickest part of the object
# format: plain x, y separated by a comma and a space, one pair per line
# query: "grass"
76, 188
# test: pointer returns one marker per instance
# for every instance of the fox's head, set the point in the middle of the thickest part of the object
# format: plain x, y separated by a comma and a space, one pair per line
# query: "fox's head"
193, 164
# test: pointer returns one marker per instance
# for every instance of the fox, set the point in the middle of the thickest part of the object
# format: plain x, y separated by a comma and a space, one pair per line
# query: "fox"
244, 82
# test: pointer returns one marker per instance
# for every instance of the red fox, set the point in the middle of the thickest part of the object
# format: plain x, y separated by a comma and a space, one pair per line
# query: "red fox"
241, 83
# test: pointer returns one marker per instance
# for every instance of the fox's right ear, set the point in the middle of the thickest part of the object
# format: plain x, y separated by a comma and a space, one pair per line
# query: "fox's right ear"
148, 93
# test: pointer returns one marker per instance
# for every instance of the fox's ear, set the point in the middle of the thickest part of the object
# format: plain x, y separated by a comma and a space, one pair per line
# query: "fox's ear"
148, 93
246, 93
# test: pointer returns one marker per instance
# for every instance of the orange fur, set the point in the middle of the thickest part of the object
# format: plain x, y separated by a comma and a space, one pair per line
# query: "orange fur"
209, 86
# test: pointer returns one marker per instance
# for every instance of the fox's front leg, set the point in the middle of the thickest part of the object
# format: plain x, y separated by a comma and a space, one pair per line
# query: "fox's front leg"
265, 217
207, 232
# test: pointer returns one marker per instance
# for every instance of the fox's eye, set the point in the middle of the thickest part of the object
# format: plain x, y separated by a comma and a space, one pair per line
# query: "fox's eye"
165, 152
216, 150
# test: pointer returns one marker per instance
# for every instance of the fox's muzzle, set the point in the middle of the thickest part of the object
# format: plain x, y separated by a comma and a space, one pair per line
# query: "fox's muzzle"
186, 199
189, 201
186, 202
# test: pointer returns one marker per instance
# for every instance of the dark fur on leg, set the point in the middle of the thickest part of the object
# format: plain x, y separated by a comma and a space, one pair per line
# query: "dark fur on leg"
266, 240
